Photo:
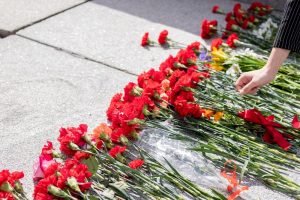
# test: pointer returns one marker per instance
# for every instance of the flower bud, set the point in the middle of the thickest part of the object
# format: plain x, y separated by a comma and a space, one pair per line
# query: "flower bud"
6, 187
136, 91
73, 184
135, 121
74, 146
104, 136
134, 135
87, 139
57, 192
19, 187
124, 140
146, 111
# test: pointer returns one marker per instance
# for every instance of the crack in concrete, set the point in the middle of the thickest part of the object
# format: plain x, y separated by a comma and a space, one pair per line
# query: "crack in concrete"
5, 33
77, 55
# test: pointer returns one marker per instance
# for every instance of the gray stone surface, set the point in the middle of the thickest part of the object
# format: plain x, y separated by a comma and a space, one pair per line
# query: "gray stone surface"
277, 4
19, 13
41, 90
110, 30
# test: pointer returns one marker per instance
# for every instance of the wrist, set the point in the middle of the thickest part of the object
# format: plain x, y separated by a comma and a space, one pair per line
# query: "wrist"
271, 68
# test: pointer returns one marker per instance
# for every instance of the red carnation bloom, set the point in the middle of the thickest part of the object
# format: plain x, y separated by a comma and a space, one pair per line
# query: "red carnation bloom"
216, 43
237, 8
229, 16
136, 164
186, 57
11, 178
163, 36
252, 18
71, 135
268, 8
231, 41
41, 188
175, 76
81, 155
231, 26
195, 46
47, 151
145, 40
117, 150
256, 6
167, 66
73, 168
131, 91
245, 24
215, 8
6, 196
115, 104
208, 28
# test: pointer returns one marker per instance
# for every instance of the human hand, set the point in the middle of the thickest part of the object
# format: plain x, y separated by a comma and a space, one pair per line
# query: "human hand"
250, 82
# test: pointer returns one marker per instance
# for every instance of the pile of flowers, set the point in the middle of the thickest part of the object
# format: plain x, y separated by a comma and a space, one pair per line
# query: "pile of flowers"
192, 93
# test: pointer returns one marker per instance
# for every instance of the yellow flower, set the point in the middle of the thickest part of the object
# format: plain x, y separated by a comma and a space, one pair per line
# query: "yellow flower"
218, 55
216, 66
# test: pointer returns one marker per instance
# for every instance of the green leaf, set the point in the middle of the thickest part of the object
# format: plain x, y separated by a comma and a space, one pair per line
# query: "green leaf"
92, 164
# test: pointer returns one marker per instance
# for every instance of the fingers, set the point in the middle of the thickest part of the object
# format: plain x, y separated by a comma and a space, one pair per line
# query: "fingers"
250, 88
243, 80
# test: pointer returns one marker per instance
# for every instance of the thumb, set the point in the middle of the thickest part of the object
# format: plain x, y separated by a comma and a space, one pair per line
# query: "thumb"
248, 88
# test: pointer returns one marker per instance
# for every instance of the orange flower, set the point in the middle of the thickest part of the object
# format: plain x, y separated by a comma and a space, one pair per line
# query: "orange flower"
218, 116
102, 132
208, 113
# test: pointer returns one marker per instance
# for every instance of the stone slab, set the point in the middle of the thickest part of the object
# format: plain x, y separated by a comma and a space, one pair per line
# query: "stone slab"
18, 13
41, 90
276, 4
110, 30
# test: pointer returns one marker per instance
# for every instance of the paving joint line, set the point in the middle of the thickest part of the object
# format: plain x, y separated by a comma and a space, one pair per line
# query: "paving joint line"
78, 55
5, 33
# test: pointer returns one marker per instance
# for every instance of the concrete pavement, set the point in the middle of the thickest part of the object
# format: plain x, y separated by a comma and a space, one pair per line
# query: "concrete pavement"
68, 61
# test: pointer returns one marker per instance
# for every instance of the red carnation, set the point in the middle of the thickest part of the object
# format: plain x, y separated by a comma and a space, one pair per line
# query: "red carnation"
131, 91
232, 39
246, 24
186, 57
115, 103
163, 36
195, 46
6, 196
229, 16
231, 26
81, 155
216, 43
136, 164
47, 151
145, 40
115, 151
167, 66
208, 28
256, 6
215, 8
72, 135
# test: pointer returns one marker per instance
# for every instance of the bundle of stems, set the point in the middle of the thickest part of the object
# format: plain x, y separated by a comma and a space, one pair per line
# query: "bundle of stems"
152, 181
220, 143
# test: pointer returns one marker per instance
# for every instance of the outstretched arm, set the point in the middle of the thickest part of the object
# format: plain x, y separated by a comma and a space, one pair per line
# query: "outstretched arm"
250, 82
287, 39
